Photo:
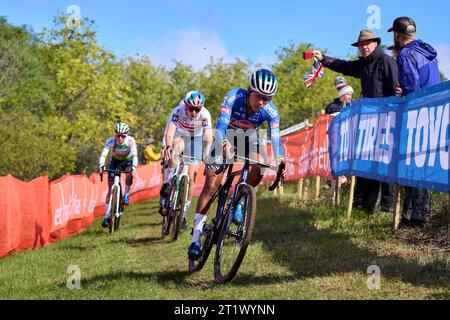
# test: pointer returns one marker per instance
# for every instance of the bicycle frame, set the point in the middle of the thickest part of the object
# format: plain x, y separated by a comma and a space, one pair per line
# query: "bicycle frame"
117, 186
224, 189
180, 172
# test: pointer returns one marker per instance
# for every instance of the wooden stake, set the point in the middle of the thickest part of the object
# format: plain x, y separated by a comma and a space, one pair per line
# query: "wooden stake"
317, 187
448, 218
300, 189
397, 199
281, 189
350, 198
337, 192
305, 194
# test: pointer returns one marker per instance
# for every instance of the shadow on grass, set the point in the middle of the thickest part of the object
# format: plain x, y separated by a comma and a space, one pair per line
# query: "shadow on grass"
138, 242
132, 225
163, 278
293, 239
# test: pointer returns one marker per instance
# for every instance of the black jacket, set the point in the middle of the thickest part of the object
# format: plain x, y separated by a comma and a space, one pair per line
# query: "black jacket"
378, 73
334, 107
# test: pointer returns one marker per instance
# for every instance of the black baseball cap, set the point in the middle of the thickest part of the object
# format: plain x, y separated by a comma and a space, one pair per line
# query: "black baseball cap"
401, 25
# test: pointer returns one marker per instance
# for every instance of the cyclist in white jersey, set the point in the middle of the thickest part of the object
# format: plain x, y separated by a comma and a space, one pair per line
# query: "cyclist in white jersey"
124, 156
186, 127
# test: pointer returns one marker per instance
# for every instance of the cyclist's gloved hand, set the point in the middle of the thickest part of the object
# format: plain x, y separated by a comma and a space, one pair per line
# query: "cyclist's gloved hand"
168, 153
101, 169
280, 162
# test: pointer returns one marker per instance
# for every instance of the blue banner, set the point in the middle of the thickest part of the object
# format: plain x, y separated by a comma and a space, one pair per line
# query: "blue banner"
402, 140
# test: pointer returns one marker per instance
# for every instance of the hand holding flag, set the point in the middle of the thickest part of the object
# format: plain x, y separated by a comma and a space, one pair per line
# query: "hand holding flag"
316, 73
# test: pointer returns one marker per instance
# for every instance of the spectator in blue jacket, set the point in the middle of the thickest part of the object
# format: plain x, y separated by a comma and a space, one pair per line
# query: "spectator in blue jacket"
418, 69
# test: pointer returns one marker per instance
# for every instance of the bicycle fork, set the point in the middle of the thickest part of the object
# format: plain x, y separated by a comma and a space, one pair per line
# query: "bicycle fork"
184, 173
116, 185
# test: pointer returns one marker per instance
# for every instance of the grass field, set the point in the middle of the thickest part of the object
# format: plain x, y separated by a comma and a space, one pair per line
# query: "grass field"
298, 251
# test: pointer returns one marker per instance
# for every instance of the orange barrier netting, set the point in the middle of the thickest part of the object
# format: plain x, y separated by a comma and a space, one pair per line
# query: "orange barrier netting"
40, 212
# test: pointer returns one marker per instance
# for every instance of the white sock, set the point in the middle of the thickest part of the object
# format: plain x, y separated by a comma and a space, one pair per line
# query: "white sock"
199, 222
107, 210
186, 208
170, 173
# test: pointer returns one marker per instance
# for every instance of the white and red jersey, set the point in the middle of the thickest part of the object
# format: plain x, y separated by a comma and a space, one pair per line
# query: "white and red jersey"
189, 127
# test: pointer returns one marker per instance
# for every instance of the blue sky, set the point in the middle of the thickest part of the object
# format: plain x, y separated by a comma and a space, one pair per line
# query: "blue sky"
194, 30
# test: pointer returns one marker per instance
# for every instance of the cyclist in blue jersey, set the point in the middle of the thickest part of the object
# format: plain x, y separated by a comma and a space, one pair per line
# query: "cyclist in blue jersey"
242, 111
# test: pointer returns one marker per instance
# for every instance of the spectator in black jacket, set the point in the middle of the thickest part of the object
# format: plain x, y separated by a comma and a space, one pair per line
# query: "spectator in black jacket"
379, 78
345, 95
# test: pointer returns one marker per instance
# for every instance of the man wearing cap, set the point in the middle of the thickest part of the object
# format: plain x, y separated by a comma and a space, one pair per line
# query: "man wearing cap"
379, 77
418, 69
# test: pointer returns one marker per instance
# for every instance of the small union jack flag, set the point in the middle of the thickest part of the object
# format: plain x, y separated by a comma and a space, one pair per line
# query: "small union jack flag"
316, 73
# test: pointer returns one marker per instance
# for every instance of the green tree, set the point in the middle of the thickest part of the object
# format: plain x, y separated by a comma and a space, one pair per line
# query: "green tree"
88, 90
152, 95
217, 78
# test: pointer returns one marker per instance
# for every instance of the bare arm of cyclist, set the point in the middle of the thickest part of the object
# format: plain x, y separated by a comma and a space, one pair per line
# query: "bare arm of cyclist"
171, 128
104, 154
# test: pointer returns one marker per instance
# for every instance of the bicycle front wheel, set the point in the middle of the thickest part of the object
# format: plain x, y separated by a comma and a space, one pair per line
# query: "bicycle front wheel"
235, 237
168, 214
112, 210
179, 208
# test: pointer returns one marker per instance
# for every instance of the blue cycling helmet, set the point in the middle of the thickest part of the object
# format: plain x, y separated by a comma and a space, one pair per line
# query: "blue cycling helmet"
264, 82
194, 99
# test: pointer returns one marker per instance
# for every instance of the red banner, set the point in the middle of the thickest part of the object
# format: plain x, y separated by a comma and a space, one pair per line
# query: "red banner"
24, 219
306, 152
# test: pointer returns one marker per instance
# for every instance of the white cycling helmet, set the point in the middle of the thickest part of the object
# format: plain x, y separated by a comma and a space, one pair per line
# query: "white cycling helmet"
264, 82
121, 128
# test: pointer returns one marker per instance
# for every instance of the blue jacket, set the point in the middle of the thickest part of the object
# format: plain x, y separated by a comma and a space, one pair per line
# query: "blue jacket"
418, 67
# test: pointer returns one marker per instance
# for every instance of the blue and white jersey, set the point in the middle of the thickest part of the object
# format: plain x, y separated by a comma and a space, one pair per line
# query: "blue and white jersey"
233, 115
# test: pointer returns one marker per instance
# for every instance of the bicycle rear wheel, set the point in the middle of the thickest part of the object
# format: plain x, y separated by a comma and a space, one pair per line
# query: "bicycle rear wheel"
206, 241
208, 238
179, 208
234, 238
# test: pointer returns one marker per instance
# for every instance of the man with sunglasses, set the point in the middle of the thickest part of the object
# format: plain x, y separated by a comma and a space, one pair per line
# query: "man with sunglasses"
124, 156
243, 111
188, 125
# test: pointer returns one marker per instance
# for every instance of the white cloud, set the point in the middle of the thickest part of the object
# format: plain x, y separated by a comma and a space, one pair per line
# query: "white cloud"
266, 61
443, 51
191, 46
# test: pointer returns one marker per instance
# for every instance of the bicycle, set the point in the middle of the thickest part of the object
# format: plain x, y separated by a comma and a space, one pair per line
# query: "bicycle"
231, 239
116, 206
175, 203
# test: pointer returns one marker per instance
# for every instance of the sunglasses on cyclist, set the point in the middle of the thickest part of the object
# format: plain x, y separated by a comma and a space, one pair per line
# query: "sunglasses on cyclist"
262, 97
123, 136
193, 108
